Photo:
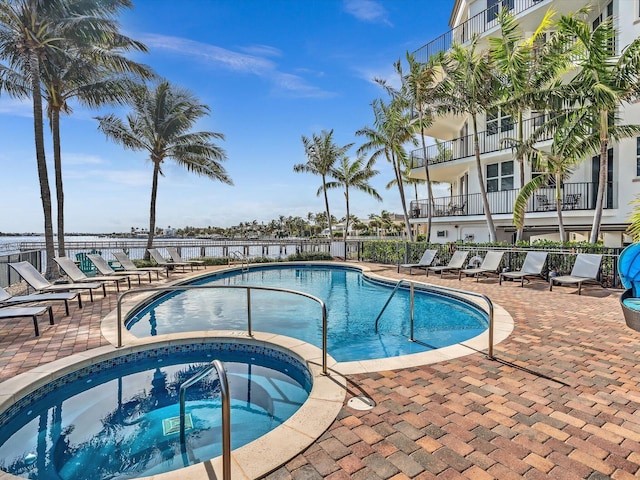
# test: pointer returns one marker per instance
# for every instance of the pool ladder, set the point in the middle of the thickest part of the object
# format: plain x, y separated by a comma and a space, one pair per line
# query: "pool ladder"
244, 260
226, 412
425, 286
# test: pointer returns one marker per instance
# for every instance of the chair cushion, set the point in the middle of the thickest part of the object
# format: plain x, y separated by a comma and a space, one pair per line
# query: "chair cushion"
632, 303
635, 285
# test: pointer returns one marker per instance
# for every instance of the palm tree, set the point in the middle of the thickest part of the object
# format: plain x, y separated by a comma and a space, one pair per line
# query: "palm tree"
421, 87
93, 75
529, 72
356, 176
27, 31
393, 129
160, 123
469, 88
555, 165
322, 153
604, 82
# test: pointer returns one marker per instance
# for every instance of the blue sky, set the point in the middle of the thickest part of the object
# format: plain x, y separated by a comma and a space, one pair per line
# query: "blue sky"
270, 70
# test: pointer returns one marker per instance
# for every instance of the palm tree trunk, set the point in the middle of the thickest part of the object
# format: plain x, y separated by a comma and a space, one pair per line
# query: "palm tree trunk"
602, 177
326, 205
428, 179
57, 161
521, 164
398, 174
483, 190
45, 192
563, 235
346, 224
152, 208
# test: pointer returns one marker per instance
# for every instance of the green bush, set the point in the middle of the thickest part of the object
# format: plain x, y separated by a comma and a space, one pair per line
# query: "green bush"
309, 256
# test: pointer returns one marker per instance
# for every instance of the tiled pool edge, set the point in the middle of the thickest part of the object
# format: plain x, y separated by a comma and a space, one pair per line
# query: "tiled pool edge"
250, 461
503, 326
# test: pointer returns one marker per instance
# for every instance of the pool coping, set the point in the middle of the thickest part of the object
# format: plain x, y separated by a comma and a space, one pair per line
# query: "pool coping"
252, 460
503, 326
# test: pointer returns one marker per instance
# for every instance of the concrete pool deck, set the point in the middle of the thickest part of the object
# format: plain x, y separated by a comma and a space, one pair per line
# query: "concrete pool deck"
561, 400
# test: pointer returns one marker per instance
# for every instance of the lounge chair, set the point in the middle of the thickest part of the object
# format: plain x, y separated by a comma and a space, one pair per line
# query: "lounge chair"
167, 264
40, 284
490, 264
78, 276
105, 269
585, 270
425, 261
455, 264
6, 299
532, 267
129, 266
177, 259
33, 312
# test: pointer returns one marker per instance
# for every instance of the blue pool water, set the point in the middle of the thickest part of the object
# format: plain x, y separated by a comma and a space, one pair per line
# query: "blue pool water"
117, 419
353, 303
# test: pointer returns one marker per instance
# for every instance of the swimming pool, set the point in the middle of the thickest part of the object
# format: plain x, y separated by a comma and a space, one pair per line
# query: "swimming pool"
353, 300
119, 418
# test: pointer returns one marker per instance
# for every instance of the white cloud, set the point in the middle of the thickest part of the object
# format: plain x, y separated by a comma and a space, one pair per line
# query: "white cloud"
15, 106
252, 64
367, 11
80, 159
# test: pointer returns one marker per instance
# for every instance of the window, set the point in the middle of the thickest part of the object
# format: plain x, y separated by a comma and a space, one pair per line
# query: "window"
498, 121
500, 176
638, 157
495, 6
538, 117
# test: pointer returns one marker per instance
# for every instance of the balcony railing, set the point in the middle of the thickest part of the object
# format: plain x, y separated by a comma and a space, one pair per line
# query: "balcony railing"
500, 138
575, 196
477, 24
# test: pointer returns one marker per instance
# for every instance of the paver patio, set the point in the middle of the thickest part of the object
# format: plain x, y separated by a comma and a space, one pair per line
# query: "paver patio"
561, 400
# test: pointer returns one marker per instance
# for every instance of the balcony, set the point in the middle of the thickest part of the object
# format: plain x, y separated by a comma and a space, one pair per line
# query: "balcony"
477, 24
500, 138
575, 196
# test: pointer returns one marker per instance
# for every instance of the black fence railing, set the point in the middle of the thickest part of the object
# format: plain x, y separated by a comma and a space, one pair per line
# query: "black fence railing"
476, 25
575, 196
493, 140
559, 260
376, 250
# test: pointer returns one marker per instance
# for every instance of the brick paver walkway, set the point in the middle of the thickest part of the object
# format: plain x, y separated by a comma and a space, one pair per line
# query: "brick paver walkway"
562, 400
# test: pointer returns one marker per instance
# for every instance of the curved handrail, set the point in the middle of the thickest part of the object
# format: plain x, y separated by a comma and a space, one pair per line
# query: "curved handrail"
244, 259
428, 286
384, 307
248, 288
226, 412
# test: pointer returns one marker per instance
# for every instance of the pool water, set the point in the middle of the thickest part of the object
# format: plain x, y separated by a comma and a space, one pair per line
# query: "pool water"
122, 421
353, 304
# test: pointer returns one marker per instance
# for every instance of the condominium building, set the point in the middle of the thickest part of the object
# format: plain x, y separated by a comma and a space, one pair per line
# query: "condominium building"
458, 214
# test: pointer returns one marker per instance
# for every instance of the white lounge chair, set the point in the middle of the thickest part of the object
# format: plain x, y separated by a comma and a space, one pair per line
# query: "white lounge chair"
490, 264
167, 264
129, 266
40, 284
424, 263
532, 267
455, 263
78, 276
585, 270
177, 259
105, 269
6, 299
33, 312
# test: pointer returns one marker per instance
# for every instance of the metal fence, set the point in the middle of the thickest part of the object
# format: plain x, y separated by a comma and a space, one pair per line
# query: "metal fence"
393, 252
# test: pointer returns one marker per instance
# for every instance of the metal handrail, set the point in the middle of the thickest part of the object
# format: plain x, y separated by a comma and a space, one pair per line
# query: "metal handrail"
428, 286
248, 288
384, 307
244, 265
226, 412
